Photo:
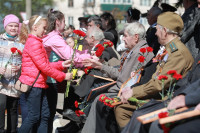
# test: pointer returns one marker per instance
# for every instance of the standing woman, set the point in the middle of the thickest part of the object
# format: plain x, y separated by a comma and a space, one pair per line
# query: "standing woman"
109, 25
35, 62
10, 66
57, 49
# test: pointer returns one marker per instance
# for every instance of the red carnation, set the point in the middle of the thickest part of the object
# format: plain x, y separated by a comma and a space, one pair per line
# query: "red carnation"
141, 58
143, 50
162, 77
13, 50
76, 104
108, 44
149, 49
79, 113
172, 72
177, 76
163, 114
79, 32
19, 52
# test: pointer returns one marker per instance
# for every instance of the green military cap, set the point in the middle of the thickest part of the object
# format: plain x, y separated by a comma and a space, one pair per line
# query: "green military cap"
171, 21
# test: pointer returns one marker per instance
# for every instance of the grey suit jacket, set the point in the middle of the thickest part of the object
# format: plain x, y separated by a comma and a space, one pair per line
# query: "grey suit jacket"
130, 64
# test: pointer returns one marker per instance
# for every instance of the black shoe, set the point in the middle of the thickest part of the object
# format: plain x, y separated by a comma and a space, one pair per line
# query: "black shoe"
72, 127
70, 114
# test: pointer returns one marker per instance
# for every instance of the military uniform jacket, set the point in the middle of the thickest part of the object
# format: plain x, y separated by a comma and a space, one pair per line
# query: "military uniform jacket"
179, 59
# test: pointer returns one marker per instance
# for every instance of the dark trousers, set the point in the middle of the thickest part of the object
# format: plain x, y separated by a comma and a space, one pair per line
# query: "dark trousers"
52, 97
11, 104
38, 111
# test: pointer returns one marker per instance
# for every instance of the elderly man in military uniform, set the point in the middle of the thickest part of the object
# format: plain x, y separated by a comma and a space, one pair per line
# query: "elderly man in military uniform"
175, 56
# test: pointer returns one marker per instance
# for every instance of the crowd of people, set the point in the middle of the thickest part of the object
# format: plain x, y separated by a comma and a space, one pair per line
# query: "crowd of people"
42, 52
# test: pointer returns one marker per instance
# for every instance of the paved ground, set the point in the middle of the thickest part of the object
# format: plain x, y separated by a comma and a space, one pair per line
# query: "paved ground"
58, 121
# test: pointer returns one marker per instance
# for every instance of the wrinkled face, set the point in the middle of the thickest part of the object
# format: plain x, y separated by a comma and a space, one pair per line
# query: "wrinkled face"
89, 40
160, 33
90, 24
41, 28
70, 42
130, 41
12, 29
61, 25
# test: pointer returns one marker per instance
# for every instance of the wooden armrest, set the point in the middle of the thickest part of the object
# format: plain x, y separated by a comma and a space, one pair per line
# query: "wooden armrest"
150, 117
179, 116
100, 88
108, 79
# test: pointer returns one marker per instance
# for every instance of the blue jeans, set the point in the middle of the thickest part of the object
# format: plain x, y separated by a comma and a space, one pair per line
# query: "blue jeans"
38, 111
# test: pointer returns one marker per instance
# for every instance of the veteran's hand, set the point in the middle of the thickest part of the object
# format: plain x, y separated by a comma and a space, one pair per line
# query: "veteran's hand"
15, 68
93, 63
197, 107
126, 94
66, 63
68, 76
177, 102
2, 70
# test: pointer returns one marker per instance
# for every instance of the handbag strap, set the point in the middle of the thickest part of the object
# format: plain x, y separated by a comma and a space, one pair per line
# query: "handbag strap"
36, 79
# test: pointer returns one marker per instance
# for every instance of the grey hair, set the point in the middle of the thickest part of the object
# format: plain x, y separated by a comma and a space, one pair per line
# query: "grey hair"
170, 31
156, 11
96, 33
96, 19
136, 28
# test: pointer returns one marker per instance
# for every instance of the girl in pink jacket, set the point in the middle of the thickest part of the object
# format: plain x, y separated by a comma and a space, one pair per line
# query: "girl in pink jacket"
35, 60
57, 48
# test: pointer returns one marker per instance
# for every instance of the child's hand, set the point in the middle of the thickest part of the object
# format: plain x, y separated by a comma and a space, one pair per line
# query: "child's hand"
2, 70
80, 73
15, 68
66, 63
68, 76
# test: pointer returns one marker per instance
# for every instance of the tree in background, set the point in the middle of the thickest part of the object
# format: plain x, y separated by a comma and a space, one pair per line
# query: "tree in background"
39, 7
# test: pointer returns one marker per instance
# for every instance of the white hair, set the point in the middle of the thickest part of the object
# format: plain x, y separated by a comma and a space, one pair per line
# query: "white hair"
96, 33
136, 28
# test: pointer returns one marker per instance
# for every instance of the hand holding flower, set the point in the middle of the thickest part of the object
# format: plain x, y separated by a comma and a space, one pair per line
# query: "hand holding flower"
2, 70
66, 63
15, 68
68, 76
126, 94
197, 107
177, 102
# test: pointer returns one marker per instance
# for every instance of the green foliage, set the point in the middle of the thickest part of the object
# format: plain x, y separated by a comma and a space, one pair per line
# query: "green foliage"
17, 6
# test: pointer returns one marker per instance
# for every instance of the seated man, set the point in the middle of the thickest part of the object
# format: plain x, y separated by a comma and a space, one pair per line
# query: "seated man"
176, 57
187, 98
134, 40
135, 126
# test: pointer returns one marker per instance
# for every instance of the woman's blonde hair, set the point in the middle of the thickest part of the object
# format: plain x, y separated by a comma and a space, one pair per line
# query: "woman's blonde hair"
26, 28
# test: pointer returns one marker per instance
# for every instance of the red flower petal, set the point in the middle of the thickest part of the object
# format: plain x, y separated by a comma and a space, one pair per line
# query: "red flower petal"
79, 32
177, 76
162, 77
163, 114
76, 104
143, 50
13, 50
172, 72
149, 49
19, 52
141, 58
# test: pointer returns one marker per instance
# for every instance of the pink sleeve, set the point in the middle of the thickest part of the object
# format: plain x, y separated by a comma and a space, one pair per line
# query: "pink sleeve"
39, 57
60, 47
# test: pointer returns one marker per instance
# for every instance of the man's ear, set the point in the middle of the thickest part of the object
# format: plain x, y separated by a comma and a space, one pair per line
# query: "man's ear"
93, 39
165, 31
136, 38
